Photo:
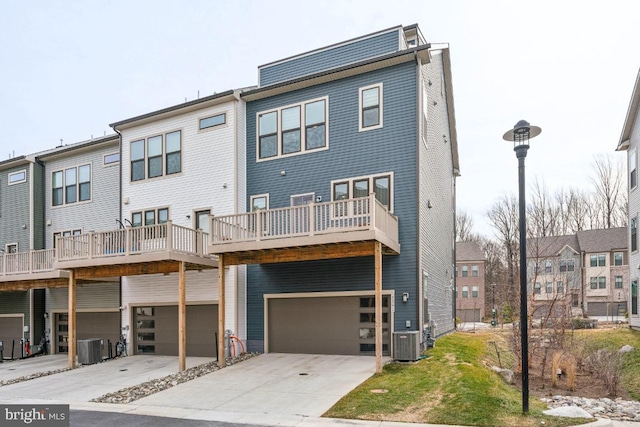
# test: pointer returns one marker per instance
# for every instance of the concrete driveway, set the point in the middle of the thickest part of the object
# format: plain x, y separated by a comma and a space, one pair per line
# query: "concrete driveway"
266, 389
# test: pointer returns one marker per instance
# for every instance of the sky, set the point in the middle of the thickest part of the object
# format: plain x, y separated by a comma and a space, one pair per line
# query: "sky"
70, 68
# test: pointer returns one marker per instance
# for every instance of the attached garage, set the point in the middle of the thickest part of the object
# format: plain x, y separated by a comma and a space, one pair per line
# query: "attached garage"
325, 324
606, 309
104, 325
469, 315
11, 327
156, 330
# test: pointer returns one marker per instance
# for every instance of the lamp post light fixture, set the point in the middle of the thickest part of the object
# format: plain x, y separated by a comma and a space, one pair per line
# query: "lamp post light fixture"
493, 305
521, 133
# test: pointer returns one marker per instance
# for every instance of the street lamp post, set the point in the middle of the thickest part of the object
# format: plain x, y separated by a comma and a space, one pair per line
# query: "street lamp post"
493, 305
521, 133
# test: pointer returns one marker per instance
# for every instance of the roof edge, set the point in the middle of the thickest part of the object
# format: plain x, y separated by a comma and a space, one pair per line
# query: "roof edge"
630, 118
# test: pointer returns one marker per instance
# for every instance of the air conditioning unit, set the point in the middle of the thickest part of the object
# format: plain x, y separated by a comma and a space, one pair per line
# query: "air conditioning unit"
406, 346
90, 351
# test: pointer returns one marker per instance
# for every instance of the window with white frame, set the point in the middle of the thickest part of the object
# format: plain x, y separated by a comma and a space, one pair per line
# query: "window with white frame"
292, 129
150, 217
111, 159
11, 248
474, 270
567, 265
370, 103
156, 156
465, 271
537, 288
17, 177
259, 202
65, 233
202, 220
353, 188
474, 291
213, 121
599, 282
465, 292
548, 264
71, 185
618, 284
617, 258
549, 287
633, 173
559, 287
598, 260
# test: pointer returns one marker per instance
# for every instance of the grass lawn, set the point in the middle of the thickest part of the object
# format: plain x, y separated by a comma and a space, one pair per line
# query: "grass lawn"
453, 386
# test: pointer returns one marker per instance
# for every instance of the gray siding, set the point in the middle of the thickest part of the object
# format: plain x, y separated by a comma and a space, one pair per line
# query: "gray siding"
15, 303
437, 187
88, 296
351, 154
14, 210
348, 53
634, 212
38, 206
101, 211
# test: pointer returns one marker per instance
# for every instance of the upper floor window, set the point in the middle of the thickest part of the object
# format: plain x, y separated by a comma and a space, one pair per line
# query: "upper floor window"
71, 185
617, 258
111, 159
150, 217
259, 202
465, 271
567, 265
618, 284
598, 260
474, 270
549, 287
559, 287
293, 129
547, 266
156, 156
634, 235
17, 177
465, 292
209, 122
370, 107
598, 282
537, 288
361, 187
633, 174
474, 291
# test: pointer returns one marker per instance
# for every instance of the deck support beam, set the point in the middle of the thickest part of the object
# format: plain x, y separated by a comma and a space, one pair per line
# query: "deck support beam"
378, 303
182, 317
221, 314
71, 338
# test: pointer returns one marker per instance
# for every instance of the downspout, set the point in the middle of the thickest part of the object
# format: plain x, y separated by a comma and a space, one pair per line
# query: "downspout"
120, 217
419, 270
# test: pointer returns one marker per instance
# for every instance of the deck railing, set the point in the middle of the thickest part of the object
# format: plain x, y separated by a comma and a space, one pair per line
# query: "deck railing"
36, 261
165, 237
365, 213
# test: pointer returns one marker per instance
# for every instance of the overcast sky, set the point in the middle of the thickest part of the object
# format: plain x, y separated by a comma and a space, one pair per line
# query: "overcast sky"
69, 68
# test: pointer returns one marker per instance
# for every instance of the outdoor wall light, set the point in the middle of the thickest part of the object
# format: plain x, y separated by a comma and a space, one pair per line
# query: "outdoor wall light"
405, 296
283, 173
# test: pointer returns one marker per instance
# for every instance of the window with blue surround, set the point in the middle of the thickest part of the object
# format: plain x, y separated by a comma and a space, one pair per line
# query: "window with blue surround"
292, 129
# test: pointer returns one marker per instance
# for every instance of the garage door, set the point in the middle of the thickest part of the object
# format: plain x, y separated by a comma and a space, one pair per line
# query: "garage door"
326, 325
469, 315
104, 325
10, 330
156, 330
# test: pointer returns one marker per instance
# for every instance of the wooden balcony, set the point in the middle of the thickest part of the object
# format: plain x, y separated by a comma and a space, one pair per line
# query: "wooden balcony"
315, 231
134, 246
33, 269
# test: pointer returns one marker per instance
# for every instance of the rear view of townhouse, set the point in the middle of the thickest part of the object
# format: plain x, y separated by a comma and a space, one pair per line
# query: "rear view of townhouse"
312, 213
351, 166
630, 142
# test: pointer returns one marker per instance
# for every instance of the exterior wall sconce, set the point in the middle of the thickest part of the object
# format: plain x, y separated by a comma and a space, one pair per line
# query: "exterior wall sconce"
405, 296
283, 173
429, 205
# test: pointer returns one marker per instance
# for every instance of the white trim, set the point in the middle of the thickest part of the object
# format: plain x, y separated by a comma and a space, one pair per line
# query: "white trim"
633, 153
77, 184
23, 171
145, 141
303, 133
361, 128
371, 187
6, 247
312, 194
390, 293
258, 196
104, 159
224, 124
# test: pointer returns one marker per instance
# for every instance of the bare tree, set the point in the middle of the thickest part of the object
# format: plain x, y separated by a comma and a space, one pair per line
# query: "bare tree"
504, 216
608, 182
577, 205
464, 226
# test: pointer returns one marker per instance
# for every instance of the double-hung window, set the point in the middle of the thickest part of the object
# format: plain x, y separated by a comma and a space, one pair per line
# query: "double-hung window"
353, 188
617, 258
465, 292
465, 271
537, 288
547, 266
549, 287
599, 282
65, 234
474, 270
559, 287
598, 260
150, 217
292, 129
618, 284
71, 185
633, 173
156, 156
634, 235
370, 103
474, 292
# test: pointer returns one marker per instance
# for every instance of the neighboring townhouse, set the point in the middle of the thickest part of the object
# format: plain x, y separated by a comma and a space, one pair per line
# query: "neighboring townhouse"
180, 165
82, 194
629, 142
21, 233
581, 274
470, 282
605, 272
351, 165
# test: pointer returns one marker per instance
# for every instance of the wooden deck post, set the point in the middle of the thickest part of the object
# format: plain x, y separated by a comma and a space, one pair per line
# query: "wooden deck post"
182, 317
71, 337
378, 303
221, 317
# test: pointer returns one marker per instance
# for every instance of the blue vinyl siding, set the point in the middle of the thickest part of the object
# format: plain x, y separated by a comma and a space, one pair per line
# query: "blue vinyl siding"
355, 51
350, 154
14, 206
